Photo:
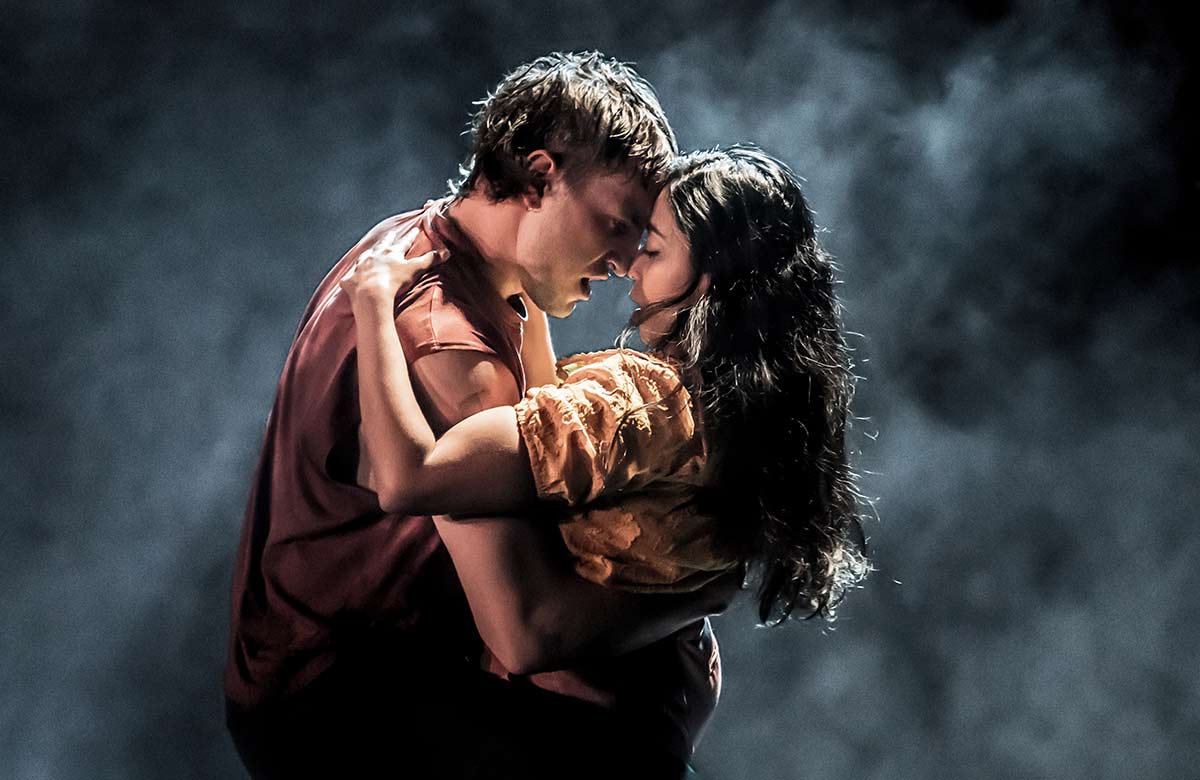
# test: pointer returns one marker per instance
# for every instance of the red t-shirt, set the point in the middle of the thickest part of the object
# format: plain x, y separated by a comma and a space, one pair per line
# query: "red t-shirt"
319, 561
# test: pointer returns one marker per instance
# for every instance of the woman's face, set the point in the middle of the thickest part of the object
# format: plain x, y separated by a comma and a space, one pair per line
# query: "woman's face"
662, 270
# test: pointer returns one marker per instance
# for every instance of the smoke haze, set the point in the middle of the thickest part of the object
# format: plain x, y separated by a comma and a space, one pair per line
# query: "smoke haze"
1009, 196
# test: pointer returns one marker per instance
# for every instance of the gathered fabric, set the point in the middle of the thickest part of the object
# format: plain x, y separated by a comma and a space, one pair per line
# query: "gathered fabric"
618, 440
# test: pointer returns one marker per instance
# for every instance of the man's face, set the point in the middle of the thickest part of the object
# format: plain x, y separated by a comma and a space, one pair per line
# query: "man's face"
582, 225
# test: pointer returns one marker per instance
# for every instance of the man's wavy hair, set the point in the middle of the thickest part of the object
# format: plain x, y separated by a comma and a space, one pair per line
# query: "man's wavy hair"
587, 110
764, 355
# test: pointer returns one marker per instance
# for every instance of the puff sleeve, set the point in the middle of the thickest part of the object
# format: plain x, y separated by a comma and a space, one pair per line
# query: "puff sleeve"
619, 421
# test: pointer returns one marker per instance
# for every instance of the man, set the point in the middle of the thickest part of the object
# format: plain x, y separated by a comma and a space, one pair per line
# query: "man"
353, 646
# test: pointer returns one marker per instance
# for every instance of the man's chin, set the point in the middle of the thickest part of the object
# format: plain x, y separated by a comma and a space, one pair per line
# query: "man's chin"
551, 303
555, 307
561, 310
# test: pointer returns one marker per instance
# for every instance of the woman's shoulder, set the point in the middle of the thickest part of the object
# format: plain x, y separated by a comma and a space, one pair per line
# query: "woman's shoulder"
647, 387
617, 365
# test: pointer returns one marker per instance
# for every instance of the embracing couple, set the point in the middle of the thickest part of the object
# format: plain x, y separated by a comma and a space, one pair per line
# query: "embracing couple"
462, 557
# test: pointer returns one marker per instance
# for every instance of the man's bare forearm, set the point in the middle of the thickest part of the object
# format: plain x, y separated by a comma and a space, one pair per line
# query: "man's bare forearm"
549, 617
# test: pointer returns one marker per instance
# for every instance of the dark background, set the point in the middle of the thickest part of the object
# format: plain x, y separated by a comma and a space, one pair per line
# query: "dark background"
1006, 186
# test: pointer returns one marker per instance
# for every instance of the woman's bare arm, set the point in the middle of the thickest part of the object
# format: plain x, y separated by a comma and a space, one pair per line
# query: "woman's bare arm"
478, 466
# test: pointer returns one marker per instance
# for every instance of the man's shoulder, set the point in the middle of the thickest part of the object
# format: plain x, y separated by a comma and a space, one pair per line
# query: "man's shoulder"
433, 318
457, 383
445, 311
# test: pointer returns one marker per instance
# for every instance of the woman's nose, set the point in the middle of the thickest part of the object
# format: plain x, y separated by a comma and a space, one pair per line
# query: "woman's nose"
634, 268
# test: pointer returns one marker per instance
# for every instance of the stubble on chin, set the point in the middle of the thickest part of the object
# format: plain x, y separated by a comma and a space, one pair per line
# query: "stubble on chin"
560, 309
547, 299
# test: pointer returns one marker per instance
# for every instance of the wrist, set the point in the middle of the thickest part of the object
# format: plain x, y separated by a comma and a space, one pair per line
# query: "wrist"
373, 300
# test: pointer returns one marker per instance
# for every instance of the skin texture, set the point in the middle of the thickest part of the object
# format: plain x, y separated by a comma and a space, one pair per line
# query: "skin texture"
537, 350
575, 231
413, 470
662, 271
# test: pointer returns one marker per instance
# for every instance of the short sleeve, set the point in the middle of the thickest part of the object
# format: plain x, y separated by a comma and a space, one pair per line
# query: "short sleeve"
429, 321
616, 423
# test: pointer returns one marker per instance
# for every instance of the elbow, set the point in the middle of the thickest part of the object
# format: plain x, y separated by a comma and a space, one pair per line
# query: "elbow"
524, 647
398, 500
523, 657
511, 658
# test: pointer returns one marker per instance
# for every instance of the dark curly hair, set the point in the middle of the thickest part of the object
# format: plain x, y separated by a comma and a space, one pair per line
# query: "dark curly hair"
763, 352
587, 110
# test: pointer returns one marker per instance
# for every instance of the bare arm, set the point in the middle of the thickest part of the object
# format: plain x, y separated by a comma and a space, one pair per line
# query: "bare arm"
414, 472
536, 614
537, 351
530, 607
411, 470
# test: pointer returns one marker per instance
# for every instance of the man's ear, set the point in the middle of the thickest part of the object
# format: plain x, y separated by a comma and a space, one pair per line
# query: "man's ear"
544, 173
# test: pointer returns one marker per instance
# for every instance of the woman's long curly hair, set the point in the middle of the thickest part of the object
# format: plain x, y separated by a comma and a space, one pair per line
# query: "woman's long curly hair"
763, 352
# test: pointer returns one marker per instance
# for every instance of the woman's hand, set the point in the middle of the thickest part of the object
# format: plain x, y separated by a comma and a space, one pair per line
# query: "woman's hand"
383, 271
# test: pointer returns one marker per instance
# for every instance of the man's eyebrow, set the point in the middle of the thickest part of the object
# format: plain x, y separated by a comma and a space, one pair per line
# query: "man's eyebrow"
633, 215
630, 216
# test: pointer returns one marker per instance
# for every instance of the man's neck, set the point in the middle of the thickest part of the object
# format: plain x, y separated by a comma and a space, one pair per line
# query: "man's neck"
492, 228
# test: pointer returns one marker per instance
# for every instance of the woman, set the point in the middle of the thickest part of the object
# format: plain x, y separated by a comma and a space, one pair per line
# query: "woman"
725, 444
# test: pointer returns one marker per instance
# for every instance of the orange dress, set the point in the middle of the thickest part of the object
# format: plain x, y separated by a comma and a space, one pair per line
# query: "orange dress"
618, 440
